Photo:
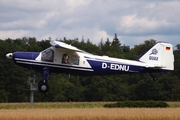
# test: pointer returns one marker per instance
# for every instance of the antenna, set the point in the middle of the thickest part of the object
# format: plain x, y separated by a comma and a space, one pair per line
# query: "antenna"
49, 38
74, 41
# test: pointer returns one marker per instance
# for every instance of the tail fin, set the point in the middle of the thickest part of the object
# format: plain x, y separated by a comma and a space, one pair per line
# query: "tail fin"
159, 56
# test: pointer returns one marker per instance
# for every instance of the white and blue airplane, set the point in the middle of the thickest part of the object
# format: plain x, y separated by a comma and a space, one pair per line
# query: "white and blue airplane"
64, 58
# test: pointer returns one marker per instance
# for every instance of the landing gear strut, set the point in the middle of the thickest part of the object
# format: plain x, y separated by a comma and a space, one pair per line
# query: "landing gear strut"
153, 77
43, 85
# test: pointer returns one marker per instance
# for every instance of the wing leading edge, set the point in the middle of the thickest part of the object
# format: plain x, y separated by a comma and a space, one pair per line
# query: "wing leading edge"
61, 45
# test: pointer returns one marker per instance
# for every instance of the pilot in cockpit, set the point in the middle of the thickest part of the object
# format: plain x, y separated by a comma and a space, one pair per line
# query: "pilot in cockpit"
65, 59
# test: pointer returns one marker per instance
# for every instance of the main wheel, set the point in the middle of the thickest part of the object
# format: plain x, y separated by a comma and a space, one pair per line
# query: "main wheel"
43, 87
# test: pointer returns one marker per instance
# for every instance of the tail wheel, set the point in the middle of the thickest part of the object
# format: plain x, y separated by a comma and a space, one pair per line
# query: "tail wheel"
43, 87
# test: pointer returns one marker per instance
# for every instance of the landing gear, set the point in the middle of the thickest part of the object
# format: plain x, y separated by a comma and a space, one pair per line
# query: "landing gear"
153, 77
43, 85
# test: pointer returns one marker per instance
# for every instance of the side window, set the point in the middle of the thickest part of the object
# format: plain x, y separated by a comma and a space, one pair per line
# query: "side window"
65, 59
71, 58
74, 59
48, 55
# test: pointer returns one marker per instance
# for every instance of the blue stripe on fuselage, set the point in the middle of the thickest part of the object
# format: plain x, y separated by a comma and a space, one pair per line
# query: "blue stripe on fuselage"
101, 67
26, 55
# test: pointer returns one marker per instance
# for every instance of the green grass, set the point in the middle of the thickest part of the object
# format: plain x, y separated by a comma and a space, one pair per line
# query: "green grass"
137, 104
174, 104
51, 105
70, 105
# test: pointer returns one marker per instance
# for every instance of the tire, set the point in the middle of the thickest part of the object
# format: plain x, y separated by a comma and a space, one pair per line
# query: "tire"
43, 87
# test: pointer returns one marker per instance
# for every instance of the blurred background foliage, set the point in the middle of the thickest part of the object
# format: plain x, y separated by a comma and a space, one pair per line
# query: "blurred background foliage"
13, 79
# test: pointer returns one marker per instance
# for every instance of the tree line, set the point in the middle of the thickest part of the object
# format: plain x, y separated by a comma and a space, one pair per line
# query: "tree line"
14, 87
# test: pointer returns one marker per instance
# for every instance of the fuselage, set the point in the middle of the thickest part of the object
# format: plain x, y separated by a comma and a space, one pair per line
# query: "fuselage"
81, 63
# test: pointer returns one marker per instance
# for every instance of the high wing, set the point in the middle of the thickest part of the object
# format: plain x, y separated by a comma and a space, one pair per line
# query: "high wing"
61, 45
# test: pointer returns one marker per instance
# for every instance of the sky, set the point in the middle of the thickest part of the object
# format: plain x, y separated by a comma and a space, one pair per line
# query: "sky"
134, 21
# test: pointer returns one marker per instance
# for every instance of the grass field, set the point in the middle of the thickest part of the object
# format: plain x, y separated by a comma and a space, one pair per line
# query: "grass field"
85, 111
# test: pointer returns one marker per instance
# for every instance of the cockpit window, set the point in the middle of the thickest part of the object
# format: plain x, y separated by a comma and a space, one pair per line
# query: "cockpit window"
48, 55
71, 58
75, 59
65, 59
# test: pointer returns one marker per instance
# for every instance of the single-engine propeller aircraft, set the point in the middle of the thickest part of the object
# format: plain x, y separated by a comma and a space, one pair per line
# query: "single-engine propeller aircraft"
64, 58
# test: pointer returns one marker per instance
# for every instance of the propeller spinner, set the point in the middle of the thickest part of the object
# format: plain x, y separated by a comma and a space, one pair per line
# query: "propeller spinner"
9, 55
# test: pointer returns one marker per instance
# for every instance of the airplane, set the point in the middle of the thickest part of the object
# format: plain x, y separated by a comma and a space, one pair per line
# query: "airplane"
64, 58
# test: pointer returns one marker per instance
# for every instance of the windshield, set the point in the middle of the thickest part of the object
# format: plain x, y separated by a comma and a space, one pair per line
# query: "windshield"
48, 55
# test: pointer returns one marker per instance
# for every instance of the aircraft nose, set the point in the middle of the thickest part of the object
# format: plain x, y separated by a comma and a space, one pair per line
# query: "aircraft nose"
9, 55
